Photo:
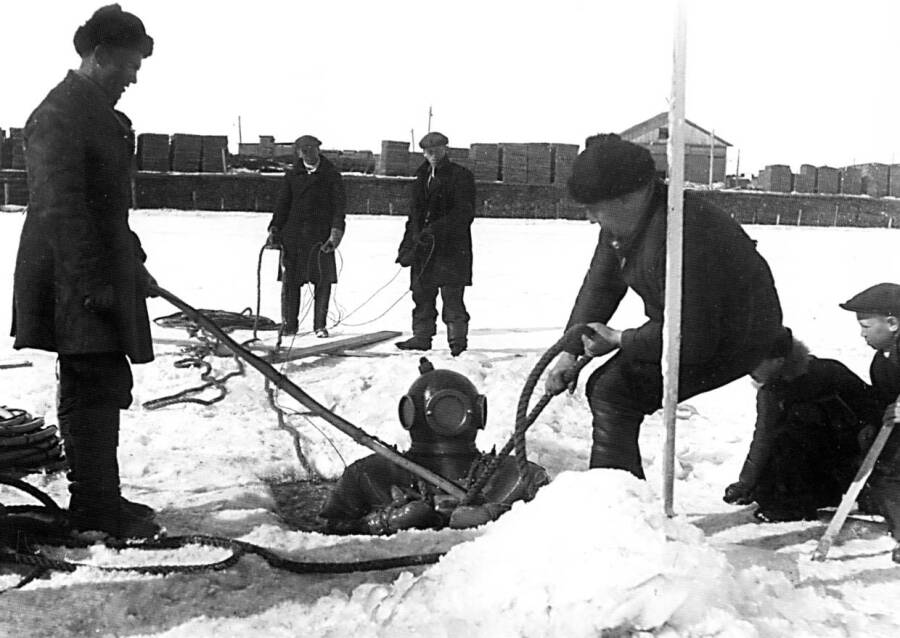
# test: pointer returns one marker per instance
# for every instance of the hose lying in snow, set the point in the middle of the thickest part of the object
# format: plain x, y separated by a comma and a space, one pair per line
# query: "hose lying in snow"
316, 409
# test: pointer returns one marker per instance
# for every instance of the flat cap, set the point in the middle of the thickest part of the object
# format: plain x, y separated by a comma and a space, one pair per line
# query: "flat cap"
609, 167
307, 140
880, 299
433, 139
113, 27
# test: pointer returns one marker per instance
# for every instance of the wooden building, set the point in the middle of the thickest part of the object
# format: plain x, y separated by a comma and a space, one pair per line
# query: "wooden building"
654, 134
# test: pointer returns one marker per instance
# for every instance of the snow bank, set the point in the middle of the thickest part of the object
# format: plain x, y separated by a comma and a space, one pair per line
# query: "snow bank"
592, 552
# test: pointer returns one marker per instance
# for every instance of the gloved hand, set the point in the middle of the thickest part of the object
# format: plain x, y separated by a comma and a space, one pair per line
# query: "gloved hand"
406, 255
474, 515
891, 413
101, 299
333, 241
563, 376
274, 238
738, 494
405, 512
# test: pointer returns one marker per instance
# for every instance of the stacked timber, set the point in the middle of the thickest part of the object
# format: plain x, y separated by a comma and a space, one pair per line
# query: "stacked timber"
185, 152
851, 180
805, 180
537, 161
153, 152
486, 162
776, 178
828, 180
213, 152
875, 179
894, 189
17, 149
394, 158
562, 158
513, 163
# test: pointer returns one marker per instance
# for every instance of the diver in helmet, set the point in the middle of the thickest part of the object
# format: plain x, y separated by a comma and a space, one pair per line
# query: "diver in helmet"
443, 413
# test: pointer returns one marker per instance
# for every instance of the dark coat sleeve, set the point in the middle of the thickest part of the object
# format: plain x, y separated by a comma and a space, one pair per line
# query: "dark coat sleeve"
768, 414
282, 205
601, 291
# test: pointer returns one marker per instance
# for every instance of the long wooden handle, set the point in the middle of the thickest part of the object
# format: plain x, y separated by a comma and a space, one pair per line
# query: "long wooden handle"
317, 409
862, 475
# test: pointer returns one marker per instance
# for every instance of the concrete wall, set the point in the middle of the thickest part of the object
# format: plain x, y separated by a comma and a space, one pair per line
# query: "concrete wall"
390, 196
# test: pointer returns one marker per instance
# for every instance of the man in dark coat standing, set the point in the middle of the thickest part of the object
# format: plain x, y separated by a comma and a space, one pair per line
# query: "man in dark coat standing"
80, 281
437, 245
308, 224
731, 314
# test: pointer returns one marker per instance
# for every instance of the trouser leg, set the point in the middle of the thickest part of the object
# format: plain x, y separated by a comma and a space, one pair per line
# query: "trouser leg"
93, 388
322, 295
290, 294
424, 314
615, 438
455, 316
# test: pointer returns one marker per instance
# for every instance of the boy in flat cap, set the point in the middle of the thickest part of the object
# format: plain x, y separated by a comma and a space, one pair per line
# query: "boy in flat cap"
437, 245
731, 311
308, 224
878, 312
80, 281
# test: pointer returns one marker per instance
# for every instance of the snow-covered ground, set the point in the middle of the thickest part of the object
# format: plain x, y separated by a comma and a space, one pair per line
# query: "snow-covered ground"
593, 551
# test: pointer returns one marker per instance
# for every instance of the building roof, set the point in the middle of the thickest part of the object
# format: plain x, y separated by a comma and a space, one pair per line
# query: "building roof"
661, 120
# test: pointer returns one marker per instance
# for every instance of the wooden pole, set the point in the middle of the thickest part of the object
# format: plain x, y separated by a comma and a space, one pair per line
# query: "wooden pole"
674, 259
317, 409
712, 155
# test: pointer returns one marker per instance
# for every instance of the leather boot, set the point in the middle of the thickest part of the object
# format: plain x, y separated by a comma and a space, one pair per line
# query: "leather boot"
416, 343
457, 337
96, 504
615, 438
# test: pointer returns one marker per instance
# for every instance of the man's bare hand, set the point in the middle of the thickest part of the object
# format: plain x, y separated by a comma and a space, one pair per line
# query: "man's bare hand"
562, 376
603, 341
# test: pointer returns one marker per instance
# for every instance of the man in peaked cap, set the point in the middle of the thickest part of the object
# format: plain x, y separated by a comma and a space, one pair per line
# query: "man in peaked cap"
437, 245
80, 281
308, 223
878, 312
731, 312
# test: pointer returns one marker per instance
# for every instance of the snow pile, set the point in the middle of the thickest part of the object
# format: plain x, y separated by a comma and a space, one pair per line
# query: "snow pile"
592, 552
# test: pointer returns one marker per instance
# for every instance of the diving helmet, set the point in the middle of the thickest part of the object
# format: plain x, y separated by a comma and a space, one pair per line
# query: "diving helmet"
442, 404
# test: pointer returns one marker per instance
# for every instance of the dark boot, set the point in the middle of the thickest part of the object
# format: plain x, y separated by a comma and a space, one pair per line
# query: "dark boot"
615, 438
96, 503
457, 337
290, 308
321, 297
416, 343
70, 443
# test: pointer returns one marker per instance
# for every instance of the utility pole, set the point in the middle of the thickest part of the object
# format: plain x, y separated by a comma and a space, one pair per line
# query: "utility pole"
429, 118
240, 137
412, 137
712, 155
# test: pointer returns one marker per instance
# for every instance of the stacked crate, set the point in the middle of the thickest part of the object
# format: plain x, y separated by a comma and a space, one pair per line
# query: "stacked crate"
828, 180
415, 161
851, 180
805, 180
514, 163
267, 146
562, 158
486, 162
185, 153
153, 152
777, 178
213, 153
875, 179
17, 149
894, 189
394, 158
3, 149
538, 163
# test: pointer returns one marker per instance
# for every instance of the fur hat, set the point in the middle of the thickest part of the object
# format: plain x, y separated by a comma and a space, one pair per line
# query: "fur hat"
307, 140
113, 27
609, 167
433, 139
880, 299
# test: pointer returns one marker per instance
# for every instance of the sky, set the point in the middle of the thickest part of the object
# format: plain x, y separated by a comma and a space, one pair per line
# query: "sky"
806, 81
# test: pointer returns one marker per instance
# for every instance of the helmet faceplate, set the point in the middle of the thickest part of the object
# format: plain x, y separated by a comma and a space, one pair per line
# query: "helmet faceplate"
443, 404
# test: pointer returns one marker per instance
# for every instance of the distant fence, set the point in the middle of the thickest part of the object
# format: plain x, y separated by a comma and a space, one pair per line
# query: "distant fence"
390, 196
